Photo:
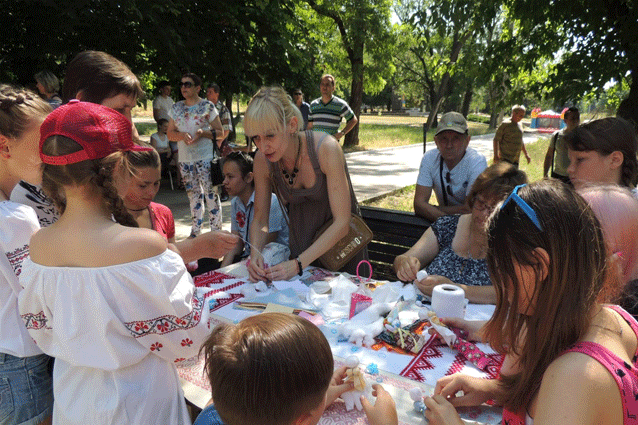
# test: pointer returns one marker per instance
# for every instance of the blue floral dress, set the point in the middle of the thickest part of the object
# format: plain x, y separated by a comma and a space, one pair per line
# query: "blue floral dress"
447, 263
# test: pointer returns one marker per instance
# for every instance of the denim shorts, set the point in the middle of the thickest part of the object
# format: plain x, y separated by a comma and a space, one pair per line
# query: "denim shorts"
26, 389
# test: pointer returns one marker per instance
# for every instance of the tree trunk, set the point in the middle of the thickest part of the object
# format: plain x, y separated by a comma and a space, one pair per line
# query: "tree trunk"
467, 99
628, 108
232, 136
356, 96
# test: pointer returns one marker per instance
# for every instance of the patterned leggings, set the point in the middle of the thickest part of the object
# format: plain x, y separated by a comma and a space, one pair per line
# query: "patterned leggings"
197, 182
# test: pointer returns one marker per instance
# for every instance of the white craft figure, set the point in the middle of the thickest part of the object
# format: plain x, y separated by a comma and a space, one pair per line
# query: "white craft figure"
417, 397
354, 375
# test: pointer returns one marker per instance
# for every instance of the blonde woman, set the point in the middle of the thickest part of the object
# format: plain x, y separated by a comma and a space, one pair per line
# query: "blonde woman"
308, 170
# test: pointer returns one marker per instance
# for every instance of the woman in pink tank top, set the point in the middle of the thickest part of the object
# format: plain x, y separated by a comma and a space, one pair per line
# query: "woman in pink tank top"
569, 359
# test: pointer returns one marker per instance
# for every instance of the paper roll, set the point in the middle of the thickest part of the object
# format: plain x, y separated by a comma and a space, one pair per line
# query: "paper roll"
448, 301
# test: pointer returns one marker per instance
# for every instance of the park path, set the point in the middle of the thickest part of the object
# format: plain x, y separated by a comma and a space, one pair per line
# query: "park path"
373, 173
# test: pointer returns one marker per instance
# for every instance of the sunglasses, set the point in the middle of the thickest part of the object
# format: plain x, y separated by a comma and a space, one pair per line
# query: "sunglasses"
448, 188
186, 84
529, 212
298, 94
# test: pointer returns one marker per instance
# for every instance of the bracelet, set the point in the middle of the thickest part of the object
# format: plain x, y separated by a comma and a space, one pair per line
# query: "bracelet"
300, 273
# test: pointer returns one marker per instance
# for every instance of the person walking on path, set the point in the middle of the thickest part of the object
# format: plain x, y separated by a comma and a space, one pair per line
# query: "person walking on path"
508, 141
327, 111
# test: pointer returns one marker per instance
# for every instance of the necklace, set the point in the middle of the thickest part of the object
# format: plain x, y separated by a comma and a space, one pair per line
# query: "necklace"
617, 332
291, 176
141, 209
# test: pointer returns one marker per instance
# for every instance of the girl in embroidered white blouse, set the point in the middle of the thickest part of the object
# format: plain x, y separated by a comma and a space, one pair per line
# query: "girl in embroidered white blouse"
25, 372
107, 299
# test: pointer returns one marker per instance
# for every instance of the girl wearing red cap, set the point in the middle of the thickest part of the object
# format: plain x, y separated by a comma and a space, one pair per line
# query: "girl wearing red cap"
107, 299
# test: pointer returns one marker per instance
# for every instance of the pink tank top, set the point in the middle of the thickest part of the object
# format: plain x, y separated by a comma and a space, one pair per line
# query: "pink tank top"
626, 375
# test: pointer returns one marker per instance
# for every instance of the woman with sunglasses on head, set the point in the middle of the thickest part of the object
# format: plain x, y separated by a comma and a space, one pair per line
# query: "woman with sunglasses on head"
572, 359
575, 357
453, 250
308, 170
194, 125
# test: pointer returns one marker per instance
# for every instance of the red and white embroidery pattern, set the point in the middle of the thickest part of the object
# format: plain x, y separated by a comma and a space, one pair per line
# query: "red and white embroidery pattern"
169, 323
16, 257
35, 321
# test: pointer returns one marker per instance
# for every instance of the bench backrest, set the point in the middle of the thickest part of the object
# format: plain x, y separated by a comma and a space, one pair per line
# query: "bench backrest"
394, 232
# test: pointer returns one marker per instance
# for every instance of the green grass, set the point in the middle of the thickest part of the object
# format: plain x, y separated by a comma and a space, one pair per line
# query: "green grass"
403, 199
145, 128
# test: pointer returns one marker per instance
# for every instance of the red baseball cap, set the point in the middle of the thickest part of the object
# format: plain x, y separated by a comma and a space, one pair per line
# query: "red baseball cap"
100, 131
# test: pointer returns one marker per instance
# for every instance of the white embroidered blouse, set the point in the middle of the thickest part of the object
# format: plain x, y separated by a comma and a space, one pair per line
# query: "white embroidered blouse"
116, 333
17, 224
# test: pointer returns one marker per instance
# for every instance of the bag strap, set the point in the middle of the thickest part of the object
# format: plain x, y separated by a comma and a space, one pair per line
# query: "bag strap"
284, 211
443, 191
554, 139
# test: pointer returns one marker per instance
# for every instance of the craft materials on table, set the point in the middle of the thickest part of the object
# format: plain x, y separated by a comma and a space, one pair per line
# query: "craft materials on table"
329, 301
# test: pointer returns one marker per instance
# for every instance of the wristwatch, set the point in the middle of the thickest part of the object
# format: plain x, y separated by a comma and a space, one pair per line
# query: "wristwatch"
300, 273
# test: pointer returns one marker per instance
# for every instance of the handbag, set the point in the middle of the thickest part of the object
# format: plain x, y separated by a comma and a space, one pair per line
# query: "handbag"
358, 237
216, 174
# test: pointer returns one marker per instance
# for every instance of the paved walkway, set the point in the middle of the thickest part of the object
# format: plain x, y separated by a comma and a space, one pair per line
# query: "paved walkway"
373, 173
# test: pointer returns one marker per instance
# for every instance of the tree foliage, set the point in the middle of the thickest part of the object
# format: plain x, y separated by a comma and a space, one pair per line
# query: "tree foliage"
366, 36
596, 42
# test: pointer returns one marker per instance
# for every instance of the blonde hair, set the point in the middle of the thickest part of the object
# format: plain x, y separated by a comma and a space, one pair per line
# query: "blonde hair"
271, 108
18, 108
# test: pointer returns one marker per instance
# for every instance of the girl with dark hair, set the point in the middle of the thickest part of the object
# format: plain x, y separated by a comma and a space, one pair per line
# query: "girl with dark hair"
603, 151
239, 183
107, 299
570, 358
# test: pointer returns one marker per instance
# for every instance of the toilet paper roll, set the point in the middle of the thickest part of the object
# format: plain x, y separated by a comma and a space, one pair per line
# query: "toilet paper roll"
448, 301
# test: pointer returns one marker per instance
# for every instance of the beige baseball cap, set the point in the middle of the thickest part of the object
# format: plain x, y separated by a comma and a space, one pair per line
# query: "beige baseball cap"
452, 121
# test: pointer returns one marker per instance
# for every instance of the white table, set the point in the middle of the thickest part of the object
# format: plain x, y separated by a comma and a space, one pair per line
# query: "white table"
428, 366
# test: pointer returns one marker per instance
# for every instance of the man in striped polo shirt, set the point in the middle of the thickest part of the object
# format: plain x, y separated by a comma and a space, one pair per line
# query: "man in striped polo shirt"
327, 111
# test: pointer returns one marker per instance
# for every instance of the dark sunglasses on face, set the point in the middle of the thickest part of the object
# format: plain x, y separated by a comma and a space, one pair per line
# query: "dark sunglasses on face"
297, 94
186, 84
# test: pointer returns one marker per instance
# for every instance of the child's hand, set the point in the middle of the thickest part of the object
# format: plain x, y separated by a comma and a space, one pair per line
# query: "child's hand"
440, 411
384, 411
337, 386
476, 391
474, 328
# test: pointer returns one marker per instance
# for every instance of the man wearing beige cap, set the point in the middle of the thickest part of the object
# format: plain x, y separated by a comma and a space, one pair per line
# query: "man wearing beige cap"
450, 170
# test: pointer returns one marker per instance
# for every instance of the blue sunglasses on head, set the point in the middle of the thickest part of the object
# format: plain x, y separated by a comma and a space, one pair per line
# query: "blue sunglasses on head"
529, 212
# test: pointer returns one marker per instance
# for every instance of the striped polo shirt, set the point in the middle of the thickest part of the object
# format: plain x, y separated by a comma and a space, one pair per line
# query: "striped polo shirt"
326, 117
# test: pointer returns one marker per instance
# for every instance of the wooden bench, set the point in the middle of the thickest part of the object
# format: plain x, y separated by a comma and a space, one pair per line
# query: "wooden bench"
394, 232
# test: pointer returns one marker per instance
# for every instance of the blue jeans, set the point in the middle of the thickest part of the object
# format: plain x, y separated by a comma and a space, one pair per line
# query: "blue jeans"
26, 389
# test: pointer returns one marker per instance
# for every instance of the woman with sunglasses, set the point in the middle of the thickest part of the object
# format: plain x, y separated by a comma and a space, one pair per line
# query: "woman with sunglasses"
194, 125
453, 249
